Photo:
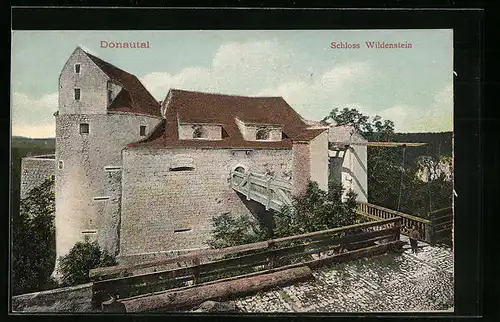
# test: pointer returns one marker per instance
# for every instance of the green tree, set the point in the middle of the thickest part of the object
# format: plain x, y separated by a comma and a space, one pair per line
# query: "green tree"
33, 241
83, 256
232, 231
393, 177
313, 211
316, 210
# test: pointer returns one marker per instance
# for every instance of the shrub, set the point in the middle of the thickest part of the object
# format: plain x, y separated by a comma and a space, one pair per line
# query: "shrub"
84, 256
33, 241
232, 231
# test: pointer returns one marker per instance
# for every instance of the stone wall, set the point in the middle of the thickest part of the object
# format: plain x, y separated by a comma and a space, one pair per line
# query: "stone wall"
301, 167
157, 201
68, 299
350, 167
34, 171
92, 83
88, 186
319, 160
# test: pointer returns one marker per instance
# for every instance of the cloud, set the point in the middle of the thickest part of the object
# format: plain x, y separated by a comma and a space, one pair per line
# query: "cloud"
314, 98
236, 68
436, 118
34, 111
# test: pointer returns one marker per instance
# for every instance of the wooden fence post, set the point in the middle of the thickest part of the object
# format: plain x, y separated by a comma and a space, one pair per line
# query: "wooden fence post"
428, 232
271, 256
196, 270
397, 224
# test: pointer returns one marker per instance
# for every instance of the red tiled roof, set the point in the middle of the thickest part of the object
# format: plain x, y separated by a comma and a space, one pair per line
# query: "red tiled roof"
196, 107
133, 97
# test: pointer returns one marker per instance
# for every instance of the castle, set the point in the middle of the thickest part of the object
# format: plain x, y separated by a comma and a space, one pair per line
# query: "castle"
144, 178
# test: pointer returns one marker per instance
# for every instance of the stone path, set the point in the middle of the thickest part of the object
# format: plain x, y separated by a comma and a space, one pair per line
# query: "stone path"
391, 282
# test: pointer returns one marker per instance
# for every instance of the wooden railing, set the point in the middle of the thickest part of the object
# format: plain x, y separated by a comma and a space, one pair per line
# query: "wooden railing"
442, 224
271, 192
375, 212
311, 249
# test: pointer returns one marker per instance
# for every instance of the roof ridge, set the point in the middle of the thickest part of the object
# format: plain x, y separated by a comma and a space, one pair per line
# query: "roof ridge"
107, 63
222, 94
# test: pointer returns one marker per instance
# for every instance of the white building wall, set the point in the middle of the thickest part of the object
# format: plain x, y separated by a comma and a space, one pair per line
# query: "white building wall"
92, 82
319, 160
88, 186
350, 165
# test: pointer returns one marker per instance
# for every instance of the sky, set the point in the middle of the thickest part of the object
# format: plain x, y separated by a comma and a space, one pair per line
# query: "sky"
413, 87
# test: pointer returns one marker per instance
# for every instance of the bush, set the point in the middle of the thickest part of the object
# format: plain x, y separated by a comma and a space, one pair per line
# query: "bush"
232, 231
33, 241
84, 256
315, 210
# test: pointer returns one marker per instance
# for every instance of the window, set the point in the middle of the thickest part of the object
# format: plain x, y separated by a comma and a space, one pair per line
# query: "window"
182, 230
182, 169
61, 164
110, 96
197, 131
142, 130
84, 128
262, 134
77, 68
77, 94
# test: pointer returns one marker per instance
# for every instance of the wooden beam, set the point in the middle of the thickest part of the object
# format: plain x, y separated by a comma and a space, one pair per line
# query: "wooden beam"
380, 144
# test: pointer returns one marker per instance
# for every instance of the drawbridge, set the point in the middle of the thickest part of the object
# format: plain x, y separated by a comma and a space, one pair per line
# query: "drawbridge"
274, 193
267, 190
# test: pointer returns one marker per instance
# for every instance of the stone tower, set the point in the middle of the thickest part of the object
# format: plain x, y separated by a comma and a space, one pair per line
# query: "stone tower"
101, 109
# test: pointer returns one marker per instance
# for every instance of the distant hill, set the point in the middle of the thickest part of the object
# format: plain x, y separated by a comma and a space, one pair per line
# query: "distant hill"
438, 144
20, 142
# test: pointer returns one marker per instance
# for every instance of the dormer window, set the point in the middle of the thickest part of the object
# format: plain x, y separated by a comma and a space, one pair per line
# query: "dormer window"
262, 133
77, 68
198, 132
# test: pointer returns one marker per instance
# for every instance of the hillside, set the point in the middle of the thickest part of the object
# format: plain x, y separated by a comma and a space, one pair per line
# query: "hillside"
21, 147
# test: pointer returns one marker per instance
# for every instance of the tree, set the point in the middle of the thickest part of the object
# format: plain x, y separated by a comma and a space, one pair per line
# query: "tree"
316, 210
33, 240
83, 256
393, 176
313, 211
232, 231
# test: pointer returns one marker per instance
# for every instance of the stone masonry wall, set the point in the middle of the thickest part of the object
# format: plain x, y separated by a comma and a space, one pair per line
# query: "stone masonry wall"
157, 201
301, 167
353, 166
88, 186
91, 81
319, 160
34, 171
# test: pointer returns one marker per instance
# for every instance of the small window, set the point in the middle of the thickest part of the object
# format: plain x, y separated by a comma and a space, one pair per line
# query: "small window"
77, 68
84, 128
182, 169
52, 177
61, 164
262, 134
197, 131
182, 230
77, 94
110, 96
142, 130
